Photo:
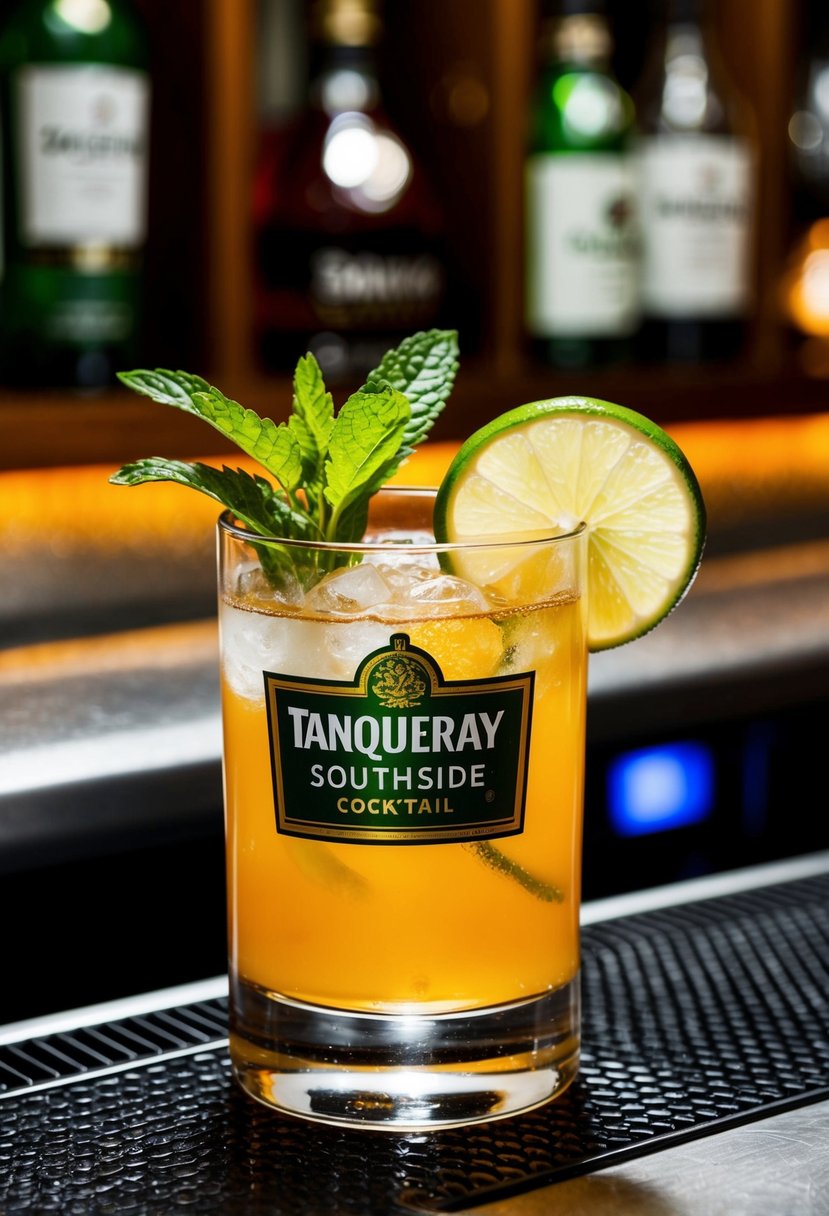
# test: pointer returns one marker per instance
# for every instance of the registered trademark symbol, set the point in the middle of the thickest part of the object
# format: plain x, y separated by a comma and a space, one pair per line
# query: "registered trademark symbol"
490, 795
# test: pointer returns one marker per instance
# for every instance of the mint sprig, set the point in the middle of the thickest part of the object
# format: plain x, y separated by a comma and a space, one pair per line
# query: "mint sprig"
325, 465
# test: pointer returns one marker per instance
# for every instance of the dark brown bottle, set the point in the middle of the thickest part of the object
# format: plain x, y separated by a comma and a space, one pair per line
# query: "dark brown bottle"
349, 249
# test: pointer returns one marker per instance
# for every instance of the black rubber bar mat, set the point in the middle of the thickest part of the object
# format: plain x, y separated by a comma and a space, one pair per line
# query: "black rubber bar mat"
696, 1018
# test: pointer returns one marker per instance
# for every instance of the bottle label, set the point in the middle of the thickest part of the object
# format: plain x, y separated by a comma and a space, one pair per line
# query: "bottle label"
83, 155
582, 263
399, 755
347, 300
356, 288
696, 213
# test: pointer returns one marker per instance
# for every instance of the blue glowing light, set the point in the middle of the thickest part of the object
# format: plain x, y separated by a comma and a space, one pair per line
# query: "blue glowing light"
655, 789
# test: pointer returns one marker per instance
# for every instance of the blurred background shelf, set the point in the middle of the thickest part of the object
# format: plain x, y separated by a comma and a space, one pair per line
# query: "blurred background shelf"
475, 155
462, 103
40, 429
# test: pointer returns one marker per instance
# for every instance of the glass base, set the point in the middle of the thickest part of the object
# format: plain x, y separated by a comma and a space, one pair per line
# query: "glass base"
403, 1072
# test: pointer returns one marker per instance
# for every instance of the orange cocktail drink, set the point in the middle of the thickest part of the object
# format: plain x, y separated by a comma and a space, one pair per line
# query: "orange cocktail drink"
404, 749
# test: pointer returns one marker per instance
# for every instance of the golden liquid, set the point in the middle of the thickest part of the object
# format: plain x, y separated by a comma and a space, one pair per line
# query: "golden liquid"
435, 926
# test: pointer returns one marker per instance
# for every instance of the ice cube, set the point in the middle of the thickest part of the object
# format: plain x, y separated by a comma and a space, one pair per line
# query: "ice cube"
349, 643
253, 642
255, 587
446, 595
352, 590
404, 561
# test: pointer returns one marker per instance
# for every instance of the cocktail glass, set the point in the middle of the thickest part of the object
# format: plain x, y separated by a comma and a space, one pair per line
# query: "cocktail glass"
403, 761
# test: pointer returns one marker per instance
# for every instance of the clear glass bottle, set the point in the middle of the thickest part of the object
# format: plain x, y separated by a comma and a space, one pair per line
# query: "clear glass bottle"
581, 238
349, 232
808, 127
804, 282
74, 93
696, 195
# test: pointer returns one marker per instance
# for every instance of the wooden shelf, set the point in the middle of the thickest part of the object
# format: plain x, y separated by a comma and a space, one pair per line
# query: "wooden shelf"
41, 429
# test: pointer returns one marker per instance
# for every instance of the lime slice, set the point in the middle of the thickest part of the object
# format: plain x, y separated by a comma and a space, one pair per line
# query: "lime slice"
545, 467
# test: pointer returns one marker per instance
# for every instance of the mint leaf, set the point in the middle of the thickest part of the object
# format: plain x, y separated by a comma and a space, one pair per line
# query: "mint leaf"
312, 420
276, 449
423, 368
169, 388
364, 444
250, 498
272, 445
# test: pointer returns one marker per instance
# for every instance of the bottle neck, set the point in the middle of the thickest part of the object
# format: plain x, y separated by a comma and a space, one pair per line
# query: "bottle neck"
684, 12
344, 78
683, 38
344, 34
688, 32
692, 96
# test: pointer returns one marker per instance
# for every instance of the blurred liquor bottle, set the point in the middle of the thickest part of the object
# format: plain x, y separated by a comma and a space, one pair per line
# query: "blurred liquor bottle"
581, 234
805, 281
349, 234
74, 92
697, 195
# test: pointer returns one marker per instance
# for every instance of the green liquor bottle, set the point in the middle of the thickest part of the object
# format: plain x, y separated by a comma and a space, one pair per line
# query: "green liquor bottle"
581, 258
74, 93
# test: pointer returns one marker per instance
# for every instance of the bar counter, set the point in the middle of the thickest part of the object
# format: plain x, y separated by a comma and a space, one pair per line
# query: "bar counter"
704, 1088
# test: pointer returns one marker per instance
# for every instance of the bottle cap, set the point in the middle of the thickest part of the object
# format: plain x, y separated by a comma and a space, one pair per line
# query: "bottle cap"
575, 8
582, 37
346, 22
689, 11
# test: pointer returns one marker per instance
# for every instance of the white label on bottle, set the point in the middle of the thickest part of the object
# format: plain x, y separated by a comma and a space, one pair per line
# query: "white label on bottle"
696, 217
582, 245
83, 154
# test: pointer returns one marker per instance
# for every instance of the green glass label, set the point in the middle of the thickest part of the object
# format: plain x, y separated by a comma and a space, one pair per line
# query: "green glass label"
399, 754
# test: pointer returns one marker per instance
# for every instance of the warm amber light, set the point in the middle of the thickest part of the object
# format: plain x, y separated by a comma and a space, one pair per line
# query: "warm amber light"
806, 282
742, 466
68, 510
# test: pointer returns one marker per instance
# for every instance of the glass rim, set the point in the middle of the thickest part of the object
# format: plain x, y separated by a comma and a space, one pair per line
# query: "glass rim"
227, 526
